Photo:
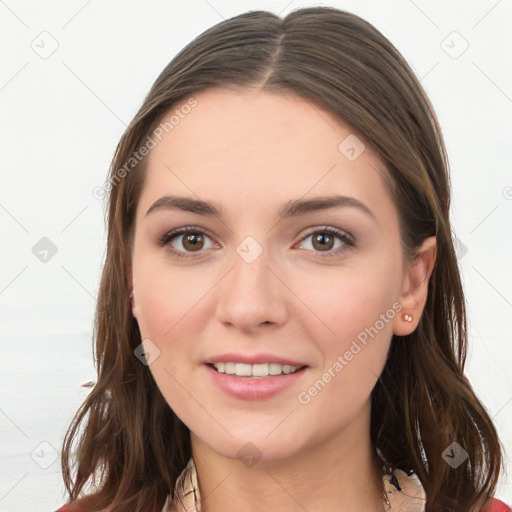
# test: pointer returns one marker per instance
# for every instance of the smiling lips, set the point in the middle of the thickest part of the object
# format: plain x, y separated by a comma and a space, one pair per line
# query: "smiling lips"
254, 370
254, 377
256, 365
261, 384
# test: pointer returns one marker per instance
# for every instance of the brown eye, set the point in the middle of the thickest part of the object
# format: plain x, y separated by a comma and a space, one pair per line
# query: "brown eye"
329, 241
323, 241
193, 242
186, 241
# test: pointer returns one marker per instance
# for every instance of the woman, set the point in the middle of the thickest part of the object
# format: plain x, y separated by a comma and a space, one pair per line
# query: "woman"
281, 322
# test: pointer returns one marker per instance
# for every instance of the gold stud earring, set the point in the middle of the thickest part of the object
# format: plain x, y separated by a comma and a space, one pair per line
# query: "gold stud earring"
407, 317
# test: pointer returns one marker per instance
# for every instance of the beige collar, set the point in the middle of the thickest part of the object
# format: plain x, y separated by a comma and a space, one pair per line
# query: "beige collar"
409, 496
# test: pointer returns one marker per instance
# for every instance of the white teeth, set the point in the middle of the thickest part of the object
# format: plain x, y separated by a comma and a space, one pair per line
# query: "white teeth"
243, 370
259, 370
274, 368
255, 370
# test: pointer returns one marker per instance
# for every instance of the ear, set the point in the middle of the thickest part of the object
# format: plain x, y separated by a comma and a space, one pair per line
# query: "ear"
415, 287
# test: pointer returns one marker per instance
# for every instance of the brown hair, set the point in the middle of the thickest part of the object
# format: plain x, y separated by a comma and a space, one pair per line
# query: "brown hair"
422, 402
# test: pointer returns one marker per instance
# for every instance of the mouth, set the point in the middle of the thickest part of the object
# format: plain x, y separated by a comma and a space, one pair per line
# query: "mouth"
255, 371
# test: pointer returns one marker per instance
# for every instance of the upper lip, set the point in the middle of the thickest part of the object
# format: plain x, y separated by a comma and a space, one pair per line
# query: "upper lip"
254, 359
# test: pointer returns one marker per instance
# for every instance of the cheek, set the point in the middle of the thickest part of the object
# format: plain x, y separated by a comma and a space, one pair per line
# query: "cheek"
165, 295
348, 301
352, 358
357, 307
165, 299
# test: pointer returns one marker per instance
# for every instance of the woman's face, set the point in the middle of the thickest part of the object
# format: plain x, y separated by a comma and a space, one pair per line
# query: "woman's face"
292, 256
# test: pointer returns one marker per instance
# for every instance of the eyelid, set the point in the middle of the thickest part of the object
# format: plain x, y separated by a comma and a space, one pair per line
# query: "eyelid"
347, 239
345, 236
168, 235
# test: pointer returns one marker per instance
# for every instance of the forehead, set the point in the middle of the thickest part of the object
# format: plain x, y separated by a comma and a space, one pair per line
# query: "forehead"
252, 145
254, 124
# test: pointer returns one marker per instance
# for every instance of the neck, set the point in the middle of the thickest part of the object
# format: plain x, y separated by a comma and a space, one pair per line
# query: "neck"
339, 473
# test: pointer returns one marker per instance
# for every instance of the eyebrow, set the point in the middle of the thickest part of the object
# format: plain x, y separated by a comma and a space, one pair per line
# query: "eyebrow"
291, 209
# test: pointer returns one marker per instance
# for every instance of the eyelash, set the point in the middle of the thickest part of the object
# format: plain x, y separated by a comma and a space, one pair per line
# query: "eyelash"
347, 239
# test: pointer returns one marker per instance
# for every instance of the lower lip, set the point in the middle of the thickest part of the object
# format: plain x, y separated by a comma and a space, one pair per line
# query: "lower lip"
254, 388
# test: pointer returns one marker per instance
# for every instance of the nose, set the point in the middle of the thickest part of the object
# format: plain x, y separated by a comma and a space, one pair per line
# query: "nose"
251, 294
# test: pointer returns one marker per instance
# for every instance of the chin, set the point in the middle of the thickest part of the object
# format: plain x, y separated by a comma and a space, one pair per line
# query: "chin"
256, 444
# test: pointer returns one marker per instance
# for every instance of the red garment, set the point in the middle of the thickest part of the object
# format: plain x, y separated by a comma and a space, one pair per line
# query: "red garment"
496, 506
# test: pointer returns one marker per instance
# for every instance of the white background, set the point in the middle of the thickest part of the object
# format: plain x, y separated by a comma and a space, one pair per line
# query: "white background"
61, 117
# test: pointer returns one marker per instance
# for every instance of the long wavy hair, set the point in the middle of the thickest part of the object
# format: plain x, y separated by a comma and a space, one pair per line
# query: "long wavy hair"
115, 455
